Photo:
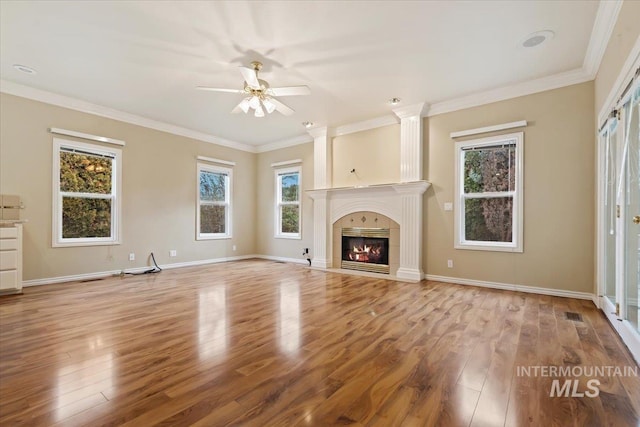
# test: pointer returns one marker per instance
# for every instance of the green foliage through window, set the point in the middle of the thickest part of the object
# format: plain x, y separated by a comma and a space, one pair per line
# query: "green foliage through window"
212, 186
289, 202
489, 220
212, 219
213, 201
83, 216
290, 187
487, 170
290, 218
85, 173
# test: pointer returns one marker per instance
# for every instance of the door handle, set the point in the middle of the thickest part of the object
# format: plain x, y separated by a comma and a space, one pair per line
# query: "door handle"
636, 219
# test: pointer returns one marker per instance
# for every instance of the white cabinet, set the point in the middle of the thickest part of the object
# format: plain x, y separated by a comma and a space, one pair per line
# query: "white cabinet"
10, 258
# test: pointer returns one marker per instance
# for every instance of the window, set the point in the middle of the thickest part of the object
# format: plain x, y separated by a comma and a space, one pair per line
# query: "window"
288, 185
489, 193
86, 194
214, 202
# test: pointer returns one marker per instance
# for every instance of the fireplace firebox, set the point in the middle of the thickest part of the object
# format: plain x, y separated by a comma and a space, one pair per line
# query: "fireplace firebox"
365, 249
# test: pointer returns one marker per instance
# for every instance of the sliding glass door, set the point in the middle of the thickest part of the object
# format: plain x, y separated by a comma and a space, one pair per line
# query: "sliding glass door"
610, 144
631, 224
620, 219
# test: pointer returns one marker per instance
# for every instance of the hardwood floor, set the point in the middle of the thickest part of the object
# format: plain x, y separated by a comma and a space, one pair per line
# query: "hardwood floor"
260, 343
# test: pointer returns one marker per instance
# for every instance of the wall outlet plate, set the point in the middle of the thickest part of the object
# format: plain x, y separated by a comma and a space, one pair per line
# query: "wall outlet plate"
448, 206
132, 256
173, 252
450, 263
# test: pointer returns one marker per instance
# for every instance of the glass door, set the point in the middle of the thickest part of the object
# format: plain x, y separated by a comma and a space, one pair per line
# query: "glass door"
620, 220
609, 140
631, 209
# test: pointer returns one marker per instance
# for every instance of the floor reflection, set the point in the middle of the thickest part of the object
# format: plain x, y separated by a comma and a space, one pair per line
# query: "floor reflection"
289, 321
213, 339
80, 384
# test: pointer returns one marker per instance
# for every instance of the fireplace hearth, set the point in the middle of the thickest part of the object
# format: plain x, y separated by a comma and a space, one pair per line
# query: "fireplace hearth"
365, 249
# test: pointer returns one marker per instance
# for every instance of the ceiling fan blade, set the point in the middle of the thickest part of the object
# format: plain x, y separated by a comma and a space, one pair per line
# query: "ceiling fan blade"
290, 91
216, 89
281, 107
249, 75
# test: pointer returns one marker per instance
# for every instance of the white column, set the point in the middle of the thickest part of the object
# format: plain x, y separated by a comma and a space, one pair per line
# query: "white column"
321, 158
410, 141
411, 231
322, 238
321, 230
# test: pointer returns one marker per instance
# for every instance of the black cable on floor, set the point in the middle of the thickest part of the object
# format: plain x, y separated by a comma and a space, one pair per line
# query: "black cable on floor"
155, 269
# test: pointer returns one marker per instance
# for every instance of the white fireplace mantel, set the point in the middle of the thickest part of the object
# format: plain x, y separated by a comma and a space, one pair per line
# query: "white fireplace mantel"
401, 202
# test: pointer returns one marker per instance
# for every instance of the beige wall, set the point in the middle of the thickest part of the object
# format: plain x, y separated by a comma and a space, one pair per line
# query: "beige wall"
558, 192
374, 154
266, 243
159, 192
623, 38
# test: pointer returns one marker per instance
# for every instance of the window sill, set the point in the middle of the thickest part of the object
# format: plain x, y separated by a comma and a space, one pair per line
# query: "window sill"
291, 237
84, 243
488, 247
213, 237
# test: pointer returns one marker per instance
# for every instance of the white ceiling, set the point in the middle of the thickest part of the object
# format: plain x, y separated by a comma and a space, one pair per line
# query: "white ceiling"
145, 58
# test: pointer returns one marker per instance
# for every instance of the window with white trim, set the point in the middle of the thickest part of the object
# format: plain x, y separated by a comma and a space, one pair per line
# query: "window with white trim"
213, 217
288, 206
86, 194
489, 196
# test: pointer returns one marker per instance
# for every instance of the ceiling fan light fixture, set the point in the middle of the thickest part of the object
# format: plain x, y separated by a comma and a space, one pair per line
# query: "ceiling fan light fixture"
259, 96
244, 105
254, 102
268, 105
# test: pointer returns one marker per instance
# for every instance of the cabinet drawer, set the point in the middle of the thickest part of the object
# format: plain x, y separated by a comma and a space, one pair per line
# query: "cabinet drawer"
8, 279
8, 244
8, 260
8, 233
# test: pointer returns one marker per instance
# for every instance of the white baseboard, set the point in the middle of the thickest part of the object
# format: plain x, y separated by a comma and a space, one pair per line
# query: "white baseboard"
511, 287
456, 280
283, 259
204, 262
102, 274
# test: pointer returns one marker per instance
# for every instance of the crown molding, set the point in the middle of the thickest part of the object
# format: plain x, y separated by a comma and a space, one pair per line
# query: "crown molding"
296, 140
555, 81
415, 110
603, 26
320, 132
365, 125
23, 91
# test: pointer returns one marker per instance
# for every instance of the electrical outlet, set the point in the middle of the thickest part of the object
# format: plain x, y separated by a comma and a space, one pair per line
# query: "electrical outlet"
450, 263
448, 206
173, 252
234, 247
132, 256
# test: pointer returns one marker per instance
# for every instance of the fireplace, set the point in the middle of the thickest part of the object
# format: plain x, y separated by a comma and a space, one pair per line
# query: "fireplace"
365, 249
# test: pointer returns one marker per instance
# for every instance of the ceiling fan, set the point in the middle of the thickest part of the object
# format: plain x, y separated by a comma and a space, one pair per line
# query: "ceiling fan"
259, 95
